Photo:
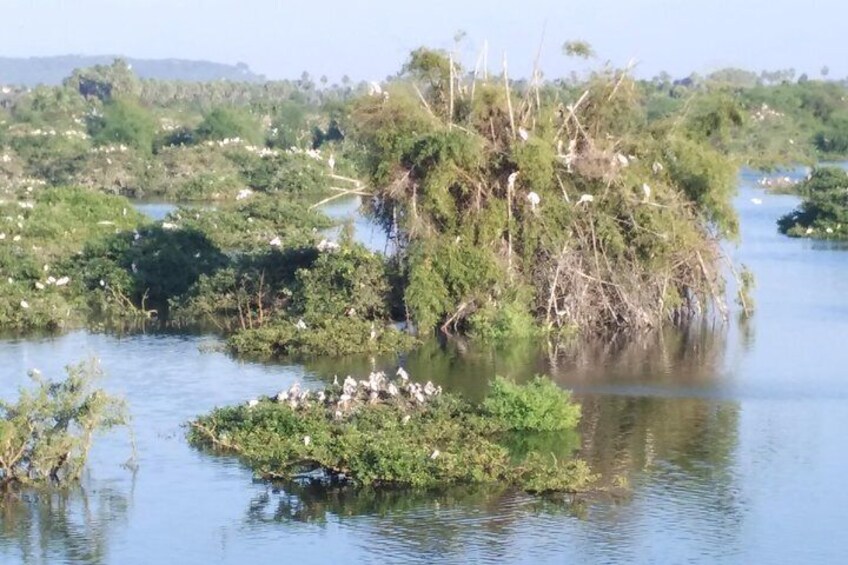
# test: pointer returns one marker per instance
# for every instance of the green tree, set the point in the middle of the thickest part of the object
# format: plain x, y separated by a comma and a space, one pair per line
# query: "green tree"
227, 123
126, 122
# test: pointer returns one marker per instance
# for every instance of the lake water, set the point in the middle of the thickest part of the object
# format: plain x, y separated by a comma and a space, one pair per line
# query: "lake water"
731, 437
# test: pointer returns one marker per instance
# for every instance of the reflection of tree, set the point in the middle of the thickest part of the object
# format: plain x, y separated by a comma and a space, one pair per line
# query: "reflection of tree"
61, 526
427, 524
675, 356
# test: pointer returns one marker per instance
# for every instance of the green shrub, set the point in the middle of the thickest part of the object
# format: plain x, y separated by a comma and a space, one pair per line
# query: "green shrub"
229, 123
46, 435
539, 406
124, 122
823, 214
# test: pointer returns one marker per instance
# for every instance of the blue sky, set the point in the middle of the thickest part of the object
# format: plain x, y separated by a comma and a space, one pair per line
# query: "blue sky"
370, 39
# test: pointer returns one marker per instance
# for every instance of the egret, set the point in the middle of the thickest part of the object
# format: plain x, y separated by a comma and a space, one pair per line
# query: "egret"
510, 181
534, 200
24, 304
647, 191
252, 402
332, 162
276, 242
301, 325
374, 89
622, 159
404, 376
523, 134
585, 198
657, 167
757, 201
829, 230
405, 420
39, 285
307, 440
435, 454
61, 281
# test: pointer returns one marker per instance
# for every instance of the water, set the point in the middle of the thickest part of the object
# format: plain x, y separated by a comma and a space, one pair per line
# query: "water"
731, 438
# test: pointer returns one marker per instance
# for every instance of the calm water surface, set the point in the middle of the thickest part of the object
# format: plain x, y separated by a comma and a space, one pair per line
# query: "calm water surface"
732, 437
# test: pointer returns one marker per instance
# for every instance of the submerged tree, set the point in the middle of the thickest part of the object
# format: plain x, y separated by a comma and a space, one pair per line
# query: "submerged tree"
46, 435
560, 205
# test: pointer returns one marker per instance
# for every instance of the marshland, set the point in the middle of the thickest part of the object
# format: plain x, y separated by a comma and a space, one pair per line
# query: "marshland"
454, 315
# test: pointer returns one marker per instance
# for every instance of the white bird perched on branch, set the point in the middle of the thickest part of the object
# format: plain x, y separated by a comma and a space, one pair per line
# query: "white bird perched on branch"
374, 89
523, 134
585, 198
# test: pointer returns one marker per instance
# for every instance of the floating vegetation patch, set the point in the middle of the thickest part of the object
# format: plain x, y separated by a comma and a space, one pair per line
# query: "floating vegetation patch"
392, 432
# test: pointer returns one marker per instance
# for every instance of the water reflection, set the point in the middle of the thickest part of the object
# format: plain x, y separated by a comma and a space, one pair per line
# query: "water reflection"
72, 526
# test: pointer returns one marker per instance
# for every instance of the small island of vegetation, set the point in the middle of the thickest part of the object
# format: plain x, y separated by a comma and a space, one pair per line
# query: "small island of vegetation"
384, 432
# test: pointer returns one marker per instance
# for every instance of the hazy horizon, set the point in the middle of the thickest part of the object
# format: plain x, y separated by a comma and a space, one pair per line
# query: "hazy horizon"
283, 39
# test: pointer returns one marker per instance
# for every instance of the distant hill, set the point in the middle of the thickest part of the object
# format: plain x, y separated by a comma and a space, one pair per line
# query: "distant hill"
33, 71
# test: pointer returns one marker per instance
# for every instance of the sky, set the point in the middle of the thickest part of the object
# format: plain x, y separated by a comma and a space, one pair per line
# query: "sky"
369, 40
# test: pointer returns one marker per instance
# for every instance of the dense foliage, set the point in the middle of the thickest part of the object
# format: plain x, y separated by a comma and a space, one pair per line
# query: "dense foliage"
560, 204
393, 432
823, 213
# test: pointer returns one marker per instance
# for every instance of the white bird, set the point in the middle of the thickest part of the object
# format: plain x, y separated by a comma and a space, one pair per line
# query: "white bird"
405, 420
373, 335
657, 167
332, 162
534, 200
62, 281
134, 267
24, 304
585, 198
757, 201
169, 226
374, 89
829, 230
401, 372
276, 242
622, 159
647, 190
392, 389
252, 402
39, 286
301, 325
435, 454
510, 181
523, 134
307, 440
809, 231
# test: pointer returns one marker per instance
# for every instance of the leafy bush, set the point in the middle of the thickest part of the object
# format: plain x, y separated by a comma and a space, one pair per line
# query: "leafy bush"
46, 435
823, 214
539, 406
331, 336
124, 122
228, 123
